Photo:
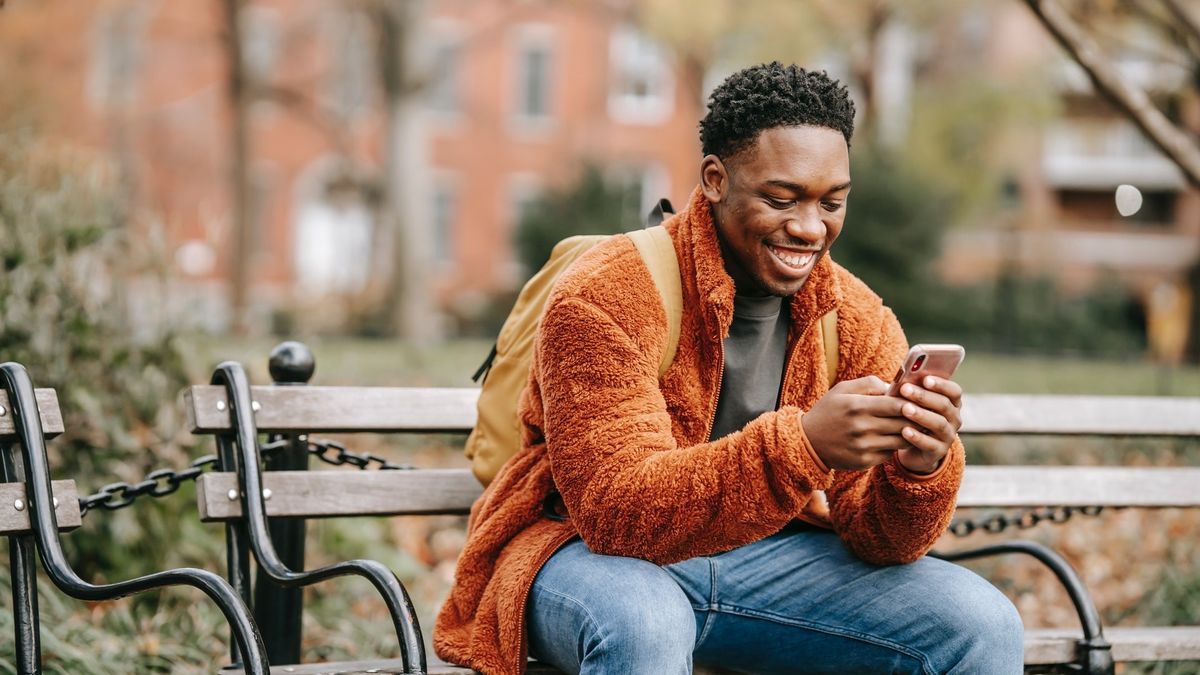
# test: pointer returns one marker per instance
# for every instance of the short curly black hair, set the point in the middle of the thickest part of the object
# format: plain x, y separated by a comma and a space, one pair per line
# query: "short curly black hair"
768, 96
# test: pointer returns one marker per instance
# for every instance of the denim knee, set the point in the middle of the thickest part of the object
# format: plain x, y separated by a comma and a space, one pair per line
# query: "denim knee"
983, 631
651, 625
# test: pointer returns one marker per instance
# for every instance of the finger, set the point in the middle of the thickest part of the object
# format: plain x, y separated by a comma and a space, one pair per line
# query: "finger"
877, 406
930, 400
883, 443
948, 388
924, 442
930, 422
868, 386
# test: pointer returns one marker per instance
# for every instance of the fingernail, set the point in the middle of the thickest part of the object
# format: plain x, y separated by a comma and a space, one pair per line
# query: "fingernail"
930, 382
909, 409
907, 390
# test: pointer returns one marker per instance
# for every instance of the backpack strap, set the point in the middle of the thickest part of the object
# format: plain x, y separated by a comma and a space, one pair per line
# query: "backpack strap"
658, 252
827, 332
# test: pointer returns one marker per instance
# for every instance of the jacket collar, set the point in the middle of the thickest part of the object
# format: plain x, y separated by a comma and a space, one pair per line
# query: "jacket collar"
701, 260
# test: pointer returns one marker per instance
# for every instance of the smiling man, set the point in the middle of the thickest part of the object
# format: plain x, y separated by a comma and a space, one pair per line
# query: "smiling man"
743, 510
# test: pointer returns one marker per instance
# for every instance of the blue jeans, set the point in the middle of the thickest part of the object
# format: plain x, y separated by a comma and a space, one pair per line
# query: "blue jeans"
796, 602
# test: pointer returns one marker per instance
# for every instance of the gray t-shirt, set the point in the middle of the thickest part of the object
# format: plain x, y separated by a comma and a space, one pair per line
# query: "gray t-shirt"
754, 354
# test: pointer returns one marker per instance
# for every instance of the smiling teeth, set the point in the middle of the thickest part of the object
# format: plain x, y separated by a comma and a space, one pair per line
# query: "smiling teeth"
793, 260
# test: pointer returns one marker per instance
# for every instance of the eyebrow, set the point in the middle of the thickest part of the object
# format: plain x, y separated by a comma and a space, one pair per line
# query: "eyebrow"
797, 187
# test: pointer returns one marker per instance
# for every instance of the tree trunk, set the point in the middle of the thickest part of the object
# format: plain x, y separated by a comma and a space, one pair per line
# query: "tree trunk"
407, 310
242, 234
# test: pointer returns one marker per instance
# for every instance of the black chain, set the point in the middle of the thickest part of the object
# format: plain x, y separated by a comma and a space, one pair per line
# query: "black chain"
162, 482
332, 452
1021, 520
159, 483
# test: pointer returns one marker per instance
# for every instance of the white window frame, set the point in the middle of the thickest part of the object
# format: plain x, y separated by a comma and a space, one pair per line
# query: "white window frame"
526, 38
632, 54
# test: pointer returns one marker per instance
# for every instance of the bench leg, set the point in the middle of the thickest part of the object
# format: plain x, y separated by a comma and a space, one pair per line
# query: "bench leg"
23, 567
25, 605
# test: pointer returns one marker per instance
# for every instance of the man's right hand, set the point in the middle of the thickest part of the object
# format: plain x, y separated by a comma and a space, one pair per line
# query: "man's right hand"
856, 425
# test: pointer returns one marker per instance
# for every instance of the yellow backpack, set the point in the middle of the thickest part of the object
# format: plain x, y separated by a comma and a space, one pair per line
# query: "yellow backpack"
497, 433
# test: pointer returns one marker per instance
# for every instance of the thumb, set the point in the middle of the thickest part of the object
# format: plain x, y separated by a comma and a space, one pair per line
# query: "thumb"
867, 386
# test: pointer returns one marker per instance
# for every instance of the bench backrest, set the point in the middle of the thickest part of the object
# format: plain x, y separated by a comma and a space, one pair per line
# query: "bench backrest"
14, 514
398, 409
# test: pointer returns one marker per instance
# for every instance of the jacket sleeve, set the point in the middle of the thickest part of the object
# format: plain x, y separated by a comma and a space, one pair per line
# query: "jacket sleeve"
887, 514
628, 487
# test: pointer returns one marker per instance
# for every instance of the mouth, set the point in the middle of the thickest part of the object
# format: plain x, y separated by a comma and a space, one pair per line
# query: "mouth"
795, 259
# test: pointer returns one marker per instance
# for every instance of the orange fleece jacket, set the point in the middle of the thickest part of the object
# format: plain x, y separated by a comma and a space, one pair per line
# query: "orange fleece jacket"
630, 454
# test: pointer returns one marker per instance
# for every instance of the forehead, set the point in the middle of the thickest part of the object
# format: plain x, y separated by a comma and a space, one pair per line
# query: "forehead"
806, 155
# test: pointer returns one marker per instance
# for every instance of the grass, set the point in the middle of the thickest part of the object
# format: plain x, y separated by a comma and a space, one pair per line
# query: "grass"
382, 362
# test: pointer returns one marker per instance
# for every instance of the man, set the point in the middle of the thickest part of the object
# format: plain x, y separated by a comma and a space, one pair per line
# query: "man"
650, 523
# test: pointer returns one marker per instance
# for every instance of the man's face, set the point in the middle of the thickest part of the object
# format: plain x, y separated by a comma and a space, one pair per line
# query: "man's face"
778, 206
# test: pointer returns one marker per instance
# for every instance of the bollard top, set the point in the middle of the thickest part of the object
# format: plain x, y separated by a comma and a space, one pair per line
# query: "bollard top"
291, 362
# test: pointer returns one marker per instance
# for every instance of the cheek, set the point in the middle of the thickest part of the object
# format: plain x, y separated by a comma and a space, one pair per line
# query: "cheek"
833, 229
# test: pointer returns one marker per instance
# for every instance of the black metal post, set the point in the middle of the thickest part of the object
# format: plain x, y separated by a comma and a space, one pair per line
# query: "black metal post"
22, 565
278, 609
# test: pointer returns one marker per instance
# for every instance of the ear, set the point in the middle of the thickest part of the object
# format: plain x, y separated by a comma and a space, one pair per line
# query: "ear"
714, 178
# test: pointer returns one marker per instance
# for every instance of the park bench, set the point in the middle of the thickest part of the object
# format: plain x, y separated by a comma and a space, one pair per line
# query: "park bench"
33, 511
289, 411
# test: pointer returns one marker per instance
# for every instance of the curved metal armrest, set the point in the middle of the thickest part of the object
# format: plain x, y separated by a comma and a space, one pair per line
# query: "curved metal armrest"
241, 446
1094, 652
44, 525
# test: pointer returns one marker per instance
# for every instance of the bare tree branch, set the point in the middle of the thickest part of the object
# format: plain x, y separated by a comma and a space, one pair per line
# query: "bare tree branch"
1186, 19
1174, 142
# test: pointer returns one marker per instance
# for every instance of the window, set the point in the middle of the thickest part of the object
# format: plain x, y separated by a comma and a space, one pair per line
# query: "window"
350, 87
444, 212
642, 86
117, 57
261, 41
643, 185
445, 86
535, 56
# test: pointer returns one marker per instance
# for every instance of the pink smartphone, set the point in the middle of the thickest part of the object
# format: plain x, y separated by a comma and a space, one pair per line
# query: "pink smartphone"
922, 360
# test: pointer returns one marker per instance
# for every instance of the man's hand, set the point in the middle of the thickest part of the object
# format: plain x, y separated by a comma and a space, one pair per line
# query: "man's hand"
856, 426
935, 411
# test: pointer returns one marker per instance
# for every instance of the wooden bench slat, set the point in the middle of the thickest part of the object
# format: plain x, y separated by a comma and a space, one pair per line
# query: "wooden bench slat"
428, 491
332, 409
13, 521
47, 400
1173, 643
344, 493
1013, 486
1082, 415
397, 409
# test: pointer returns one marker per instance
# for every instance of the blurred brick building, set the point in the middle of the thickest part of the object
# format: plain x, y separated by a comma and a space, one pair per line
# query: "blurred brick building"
512, 97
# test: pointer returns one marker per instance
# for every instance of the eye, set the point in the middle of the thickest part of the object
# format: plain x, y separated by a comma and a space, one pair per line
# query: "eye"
832, 207
777, 203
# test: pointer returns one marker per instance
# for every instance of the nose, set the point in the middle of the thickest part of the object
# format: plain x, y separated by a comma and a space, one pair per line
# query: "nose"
807, 226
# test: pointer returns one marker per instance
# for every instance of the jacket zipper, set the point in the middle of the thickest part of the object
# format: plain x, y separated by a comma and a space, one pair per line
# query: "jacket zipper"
523, 655
712, 408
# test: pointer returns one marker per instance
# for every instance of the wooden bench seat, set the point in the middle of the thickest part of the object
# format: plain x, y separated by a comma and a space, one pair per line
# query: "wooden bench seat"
320, 494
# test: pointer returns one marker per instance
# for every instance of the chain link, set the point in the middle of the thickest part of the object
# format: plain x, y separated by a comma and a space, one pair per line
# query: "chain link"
162, 482
158, 483
1021, 520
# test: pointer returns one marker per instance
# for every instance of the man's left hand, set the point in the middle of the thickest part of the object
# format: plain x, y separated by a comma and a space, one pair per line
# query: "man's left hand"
935, 410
